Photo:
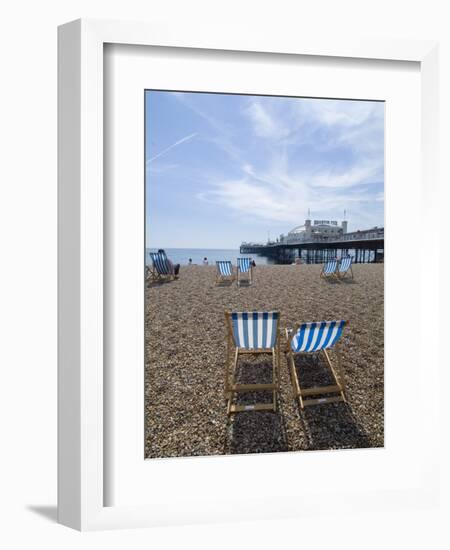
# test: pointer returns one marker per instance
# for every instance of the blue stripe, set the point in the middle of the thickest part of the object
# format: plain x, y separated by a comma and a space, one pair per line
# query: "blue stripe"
245, 327
255, 329
323, 324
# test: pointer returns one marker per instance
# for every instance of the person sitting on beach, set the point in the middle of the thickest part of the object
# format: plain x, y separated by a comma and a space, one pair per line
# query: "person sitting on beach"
205, 261
190, 261
253, 263
175, 268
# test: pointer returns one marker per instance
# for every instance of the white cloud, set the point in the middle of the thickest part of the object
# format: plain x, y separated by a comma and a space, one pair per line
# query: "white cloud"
265, 124
284, 196
277, 185
358, 125
362, 173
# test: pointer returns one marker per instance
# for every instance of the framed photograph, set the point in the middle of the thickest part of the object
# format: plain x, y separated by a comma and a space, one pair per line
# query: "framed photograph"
236, 274
220, 167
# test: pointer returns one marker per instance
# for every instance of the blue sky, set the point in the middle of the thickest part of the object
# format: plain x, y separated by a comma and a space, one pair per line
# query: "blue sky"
222, 169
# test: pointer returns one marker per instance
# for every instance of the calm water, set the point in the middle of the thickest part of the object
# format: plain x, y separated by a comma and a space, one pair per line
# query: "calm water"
181, 255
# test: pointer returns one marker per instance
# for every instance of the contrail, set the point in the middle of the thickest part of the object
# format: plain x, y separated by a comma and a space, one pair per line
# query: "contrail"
172, 146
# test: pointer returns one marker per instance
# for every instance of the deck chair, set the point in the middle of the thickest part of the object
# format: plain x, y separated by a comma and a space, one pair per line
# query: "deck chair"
316, 338
329, 269
345, 267
162, 269
253, 332
224, 272
244, 270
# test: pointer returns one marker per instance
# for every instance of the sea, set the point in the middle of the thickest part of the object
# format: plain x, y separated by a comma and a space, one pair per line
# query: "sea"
181, 255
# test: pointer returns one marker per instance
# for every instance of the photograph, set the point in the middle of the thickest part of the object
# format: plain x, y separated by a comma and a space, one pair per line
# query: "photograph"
264, 273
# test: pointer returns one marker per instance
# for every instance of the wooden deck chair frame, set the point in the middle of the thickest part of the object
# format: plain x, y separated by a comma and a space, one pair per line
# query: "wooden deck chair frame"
249, 278
332, 275
346, 272
232, 359
311, 393
151, 274
220, 278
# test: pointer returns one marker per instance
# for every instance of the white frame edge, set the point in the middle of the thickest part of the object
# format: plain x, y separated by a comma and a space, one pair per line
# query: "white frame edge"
80, 227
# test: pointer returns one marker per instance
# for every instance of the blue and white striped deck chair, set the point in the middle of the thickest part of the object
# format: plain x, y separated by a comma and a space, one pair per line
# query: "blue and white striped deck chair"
251, 332
329, 269
244, 269
224, 272
345, 267
162, 269
316, 337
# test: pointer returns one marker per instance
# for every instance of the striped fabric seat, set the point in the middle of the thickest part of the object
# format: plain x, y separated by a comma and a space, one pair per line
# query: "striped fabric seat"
345, 264
251, 333
224, 268
311, 337
160, 263
244, 264
330, 267
255, 330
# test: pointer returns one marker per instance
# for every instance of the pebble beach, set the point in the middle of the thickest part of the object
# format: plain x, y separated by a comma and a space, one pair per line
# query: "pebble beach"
185, 335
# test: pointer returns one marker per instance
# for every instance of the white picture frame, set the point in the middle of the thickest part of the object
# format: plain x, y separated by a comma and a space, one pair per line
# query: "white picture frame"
81, 406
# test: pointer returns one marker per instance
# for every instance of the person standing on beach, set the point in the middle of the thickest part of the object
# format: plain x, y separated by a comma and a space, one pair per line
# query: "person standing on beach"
205, 261
190, 261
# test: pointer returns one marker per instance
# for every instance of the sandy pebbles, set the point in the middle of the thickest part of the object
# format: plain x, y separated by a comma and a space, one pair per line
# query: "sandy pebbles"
185, 354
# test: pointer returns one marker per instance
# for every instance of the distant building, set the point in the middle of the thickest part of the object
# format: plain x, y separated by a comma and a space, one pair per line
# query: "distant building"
317, 230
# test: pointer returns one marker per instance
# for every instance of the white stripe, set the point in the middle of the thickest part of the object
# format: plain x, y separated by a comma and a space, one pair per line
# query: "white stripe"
251, 344
269, 331
260, 330
240, 325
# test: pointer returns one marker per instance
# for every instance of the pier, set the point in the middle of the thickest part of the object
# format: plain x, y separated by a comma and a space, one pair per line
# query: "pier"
364, 246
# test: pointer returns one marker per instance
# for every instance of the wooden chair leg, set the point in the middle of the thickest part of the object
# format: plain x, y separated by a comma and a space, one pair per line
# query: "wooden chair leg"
227, 370
294, 380
338, 377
